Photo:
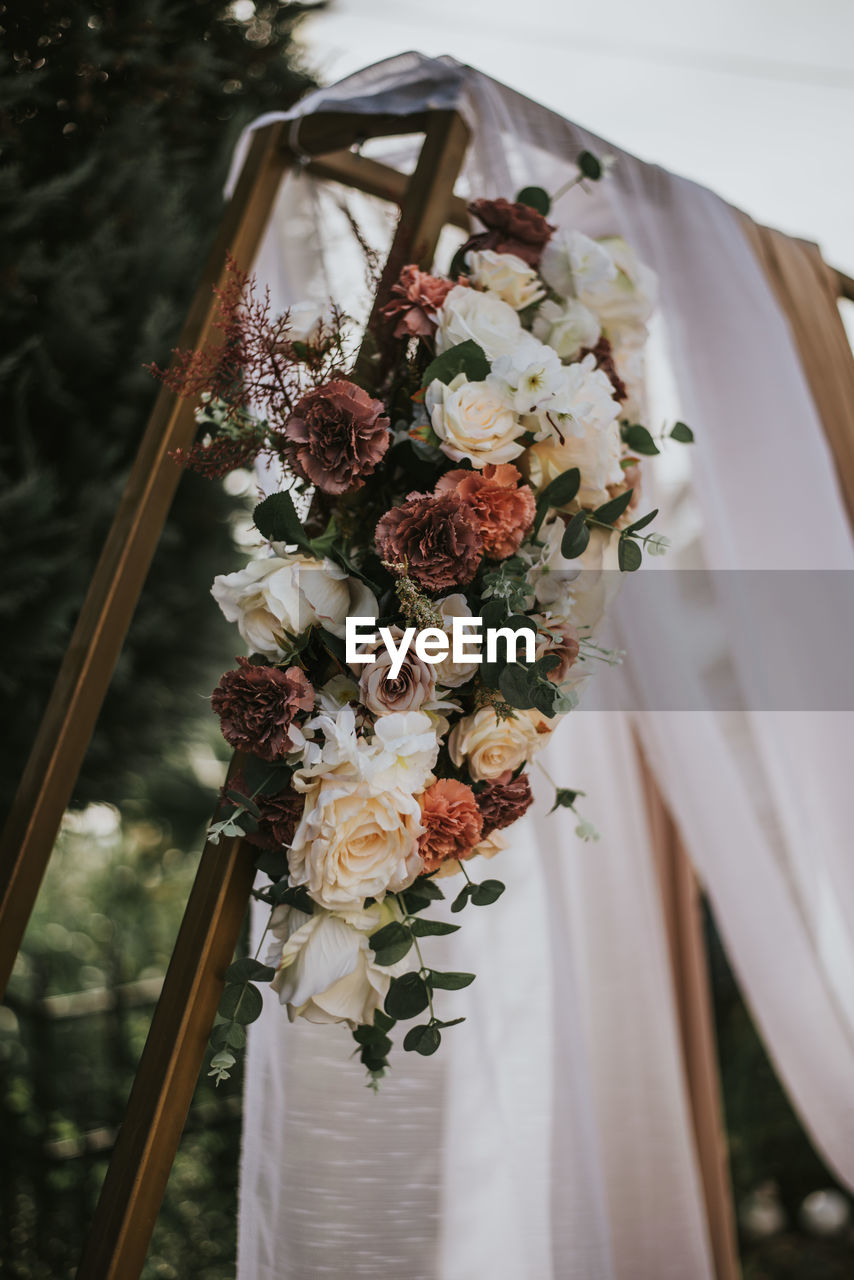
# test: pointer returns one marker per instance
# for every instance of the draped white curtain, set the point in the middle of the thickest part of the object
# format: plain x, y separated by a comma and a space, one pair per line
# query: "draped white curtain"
550, 1137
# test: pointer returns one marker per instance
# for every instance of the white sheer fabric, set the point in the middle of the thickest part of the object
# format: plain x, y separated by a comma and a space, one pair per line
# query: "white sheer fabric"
550, 1137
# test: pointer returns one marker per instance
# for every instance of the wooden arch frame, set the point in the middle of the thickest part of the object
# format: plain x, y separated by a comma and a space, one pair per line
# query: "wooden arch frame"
148, 1139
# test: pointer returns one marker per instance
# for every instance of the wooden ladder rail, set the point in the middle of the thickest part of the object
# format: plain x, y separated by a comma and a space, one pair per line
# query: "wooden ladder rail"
148, 1139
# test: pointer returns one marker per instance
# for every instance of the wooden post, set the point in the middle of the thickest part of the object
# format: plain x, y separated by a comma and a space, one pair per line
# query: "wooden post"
133, 1189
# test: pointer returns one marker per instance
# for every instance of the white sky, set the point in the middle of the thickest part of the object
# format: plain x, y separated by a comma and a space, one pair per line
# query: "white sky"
754, 98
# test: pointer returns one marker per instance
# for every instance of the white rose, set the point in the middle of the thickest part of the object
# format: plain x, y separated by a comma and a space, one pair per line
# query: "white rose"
508, 277
549, 572
473, 421
450, 674
626, 298
567, 327
353, 842
326, 970
280, 596
489, 746
403, 751
596, 454
467, 314
573, 264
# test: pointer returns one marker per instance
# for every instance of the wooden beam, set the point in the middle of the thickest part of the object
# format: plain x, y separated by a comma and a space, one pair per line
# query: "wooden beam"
362, 173
130, 1199
87, 668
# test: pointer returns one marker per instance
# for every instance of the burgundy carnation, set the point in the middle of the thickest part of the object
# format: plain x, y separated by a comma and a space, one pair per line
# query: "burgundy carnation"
415, 300
336, 435
257, 706
501, 803
435, 536
280, 815
511, 228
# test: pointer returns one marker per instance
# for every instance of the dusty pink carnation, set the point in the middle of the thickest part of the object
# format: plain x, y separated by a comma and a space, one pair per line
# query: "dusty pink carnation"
452, 822
257, 705
415, 300
336, 436
436, 536
502, 802
504, 509
511, 228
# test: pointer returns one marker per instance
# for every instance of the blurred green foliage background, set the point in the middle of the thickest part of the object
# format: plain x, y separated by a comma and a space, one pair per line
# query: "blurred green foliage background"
117, 125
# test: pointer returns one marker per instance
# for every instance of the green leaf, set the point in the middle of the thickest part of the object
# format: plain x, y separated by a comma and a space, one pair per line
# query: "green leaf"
432, 928
391, 943
643, 522
535, 198
462, 897
483, 895
323, 545
334, 645
565, 798
277, 521
466, 357
545, 696
424, 1039
590, 166
683, 433
516, 686
273, 862
241, 1003
420, 895
450, 981
575, 537
639, 439
219, 1035
557, 494
407, 996
247, 968
248, 804
427, 887
493, 613
377, 1040
382, 1020
454, 1022
293, 895
629, 555
610, 512
235, 1035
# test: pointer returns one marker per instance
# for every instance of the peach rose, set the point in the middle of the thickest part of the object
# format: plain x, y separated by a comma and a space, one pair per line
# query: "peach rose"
504, 508
490, 746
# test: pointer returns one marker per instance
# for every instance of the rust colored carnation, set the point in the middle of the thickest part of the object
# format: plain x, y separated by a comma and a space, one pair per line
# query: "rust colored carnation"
504, 509
436, 536
336, 436
603, 354
511, 228
257, 707
415, 300
452, 822
502, 802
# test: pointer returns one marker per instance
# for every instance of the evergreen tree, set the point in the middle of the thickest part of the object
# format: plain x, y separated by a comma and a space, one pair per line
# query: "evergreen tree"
119, 123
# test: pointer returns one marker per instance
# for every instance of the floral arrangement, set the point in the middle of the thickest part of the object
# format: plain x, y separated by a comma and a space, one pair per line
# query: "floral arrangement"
483, 448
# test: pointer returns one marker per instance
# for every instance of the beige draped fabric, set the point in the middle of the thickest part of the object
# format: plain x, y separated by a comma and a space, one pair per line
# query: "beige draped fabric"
807, 290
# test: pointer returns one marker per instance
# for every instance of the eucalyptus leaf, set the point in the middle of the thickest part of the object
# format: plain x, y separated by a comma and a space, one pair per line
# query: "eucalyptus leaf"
557, 494
407, 996
247, 968
535, 198
450, 981
575, 537
565, 798
462, 897
643, 522
483, 895
515, 683
639, 439
682, 433
629, 555
610, 511
241, 1002
424, 1039
590, 165
431, 928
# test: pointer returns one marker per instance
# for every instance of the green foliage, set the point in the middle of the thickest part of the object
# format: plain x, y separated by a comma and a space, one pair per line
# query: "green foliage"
467, 357
639, 439
535, 198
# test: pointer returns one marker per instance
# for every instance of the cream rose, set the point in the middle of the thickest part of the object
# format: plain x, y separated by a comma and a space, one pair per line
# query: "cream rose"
508, 277
596, 454
450, 674
280, 596
626, 298
472, 420
489, 746
355, 842
325, 966
567, 327
468, 314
